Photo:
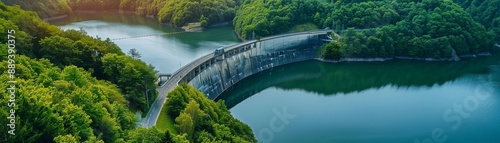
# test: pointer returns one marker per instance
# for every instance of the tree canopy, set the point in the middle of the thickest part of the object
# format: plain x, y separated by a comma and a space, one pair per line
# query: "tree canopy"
438, 29
38, 39
180, 12
485, 12
203, 120
177, 12
76, 88
60, 105
270, 17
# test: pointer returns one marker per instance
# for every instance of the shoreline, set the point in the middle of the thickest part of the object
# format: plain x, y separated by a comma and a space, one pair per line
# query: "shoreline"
48, 19
403, 58
55, 18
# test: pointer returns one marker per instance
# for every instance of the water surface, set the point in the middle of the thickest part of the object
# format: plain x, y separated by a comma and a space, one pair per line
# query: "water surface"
382, 102
166, 52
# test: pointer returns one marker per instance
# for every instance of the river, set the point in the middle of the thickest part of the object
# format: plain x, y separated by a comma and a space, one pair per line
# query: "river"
379, 102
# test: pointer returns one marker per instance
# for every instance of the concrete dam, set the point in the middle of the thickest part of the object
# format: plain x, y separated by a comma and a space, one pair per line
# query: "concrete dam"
215, 72
239, 61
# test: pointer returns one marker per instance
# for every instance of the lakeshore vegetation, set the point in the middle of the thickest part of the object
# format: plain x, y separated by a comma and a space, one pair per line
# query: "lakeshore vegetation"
416, 29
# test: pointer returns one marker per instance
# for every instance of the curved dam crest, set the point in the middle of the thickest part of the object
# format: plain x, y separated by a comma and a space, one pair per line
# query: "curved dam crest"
215, 72
242, 60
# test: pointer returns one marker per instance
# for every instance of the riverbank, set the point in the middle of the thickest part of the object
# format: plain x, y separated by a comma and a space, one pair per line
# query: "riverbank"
403, 58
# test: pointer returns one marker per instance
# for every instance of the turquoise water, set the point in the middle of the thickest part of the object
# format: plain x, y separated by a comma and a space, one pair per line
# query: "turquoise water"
391, 102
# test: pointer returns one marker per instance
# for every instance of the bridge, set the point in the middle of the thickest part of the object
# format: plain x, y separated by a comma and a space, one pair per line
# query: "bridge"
214, 73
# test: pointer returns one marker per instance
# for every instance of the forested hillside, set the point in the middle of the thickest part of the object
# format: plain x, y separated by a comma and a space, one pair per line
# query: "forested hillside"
276, 16
38, 39
62, 90
75, 88
52, 8
44, 8
54, 104
180, 12
385, 28
200, 119
177, 12
428, 29
486, 12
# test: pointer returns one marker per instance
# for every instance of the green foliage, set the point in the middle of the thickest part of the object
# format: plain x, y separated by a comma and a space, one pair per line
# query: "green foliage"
168, 137
272, 17
64, 105
181, 12
203, 21
62, 101
133, 77
426, 29
304, 27
134, 54
485, 12
37, 39
23, 40
44, 8
364, 14
181, 138
65, 139
53, 47
185, 124
331, 51
202, 120
143, 135
176, 102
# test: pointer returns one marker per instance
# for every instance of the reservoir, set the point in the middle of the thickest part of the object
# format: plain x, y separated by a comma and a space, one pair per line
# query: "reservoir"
165, 52
379, 102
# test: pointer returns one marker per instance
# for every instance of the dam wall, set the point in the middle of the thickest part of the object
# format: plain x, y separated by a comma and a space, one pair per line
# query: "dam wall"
236, 62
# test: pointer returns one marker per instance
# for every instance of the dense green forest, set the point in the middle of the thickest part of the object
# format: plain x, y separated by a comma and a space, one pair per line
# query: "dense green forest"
64, 88
438, 29
270, 17
180, 12
44, 8
486, 12
52, 8
177, 12
67, 103
200, 119
38, 39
